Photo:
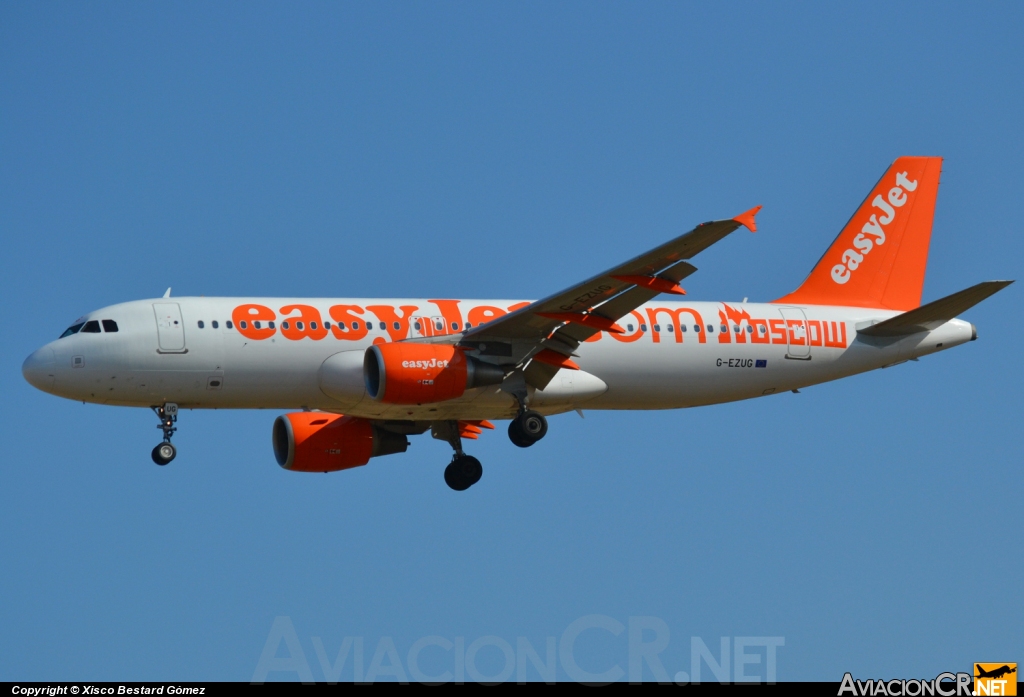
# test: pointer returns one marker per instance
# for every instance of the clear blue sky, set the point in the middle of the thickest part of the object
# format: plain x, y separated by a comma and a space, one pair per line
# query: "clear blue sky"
496, 150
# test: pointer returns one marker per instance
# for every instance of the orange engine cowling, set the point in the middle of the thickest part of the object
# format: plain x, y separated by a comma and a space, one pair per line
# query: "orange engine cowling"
318, 442
410, 373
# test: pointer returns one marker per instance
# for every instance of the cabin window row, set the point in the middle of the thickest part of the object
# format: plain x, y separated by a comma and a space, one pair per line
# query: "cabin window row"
286, 324
710, 328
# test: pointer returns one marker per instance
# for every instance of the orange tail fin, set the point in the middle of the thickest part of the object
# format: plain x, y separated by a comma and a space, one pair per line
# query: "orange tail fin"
879, 258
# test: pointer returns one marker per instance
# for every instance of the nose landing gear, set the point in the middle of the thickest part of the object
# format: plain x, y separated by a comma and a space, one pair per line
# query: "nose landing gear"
168, 415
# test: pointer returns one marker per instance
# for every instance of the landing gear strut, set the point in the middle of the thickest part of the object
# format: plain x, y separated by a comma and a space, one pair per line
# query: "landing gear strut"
527, 428
464, 470
168, 415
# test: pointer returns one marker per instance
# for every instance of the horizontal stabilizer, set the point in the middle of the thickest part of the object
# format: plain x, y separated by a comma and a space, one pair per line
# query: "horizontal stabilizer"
935, 314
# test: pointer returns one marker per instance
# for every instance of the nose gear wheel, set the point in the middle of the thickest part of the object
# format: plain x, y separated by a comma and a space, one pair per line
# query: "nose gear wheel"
168, 415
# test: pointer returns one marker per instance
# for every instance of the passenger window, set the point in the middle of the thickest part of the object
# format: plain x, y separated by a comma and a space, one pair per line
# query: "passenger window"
73, 329
725, 328
215, 324
327, 325
711, 329
341, 326
736, 328
256, 324
657, 328
383, 326
468, 326
270, 324
312, 325
396, 325
201, 325
440, 327
455, 326
416, 325
109, 325
696, 328
299, 326
229, 325
243, 324
764, 329
91, 327
629, 327
643, 327
668, 327
750, 330
682, 328
285, 325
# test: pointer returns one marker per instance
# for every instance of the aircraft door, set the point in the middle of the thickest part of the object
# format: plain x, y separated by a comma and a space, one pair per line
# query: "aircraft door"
170, 328
797, 334
427, 326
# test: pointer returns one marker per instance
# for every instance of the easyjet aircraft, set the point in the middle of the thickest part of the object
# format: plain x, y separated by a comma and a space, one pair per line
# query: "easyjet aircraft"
362, 375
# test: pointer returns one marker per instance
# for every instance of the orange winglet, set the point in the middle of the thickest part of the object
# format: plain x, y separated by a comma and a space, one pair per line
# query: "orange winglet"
662, 285
588, 320
555, 358
747, 219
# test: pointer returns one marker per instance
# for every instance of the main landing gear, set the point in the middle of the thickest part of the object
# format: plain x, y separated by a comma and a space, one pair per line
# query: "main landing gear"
168, 415
464, 470
527, 428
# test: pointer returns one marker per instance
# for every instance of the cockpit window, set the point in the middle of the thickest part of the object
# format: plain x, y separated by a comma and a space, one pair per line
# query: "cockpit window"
73, 329
91, 327
109, 325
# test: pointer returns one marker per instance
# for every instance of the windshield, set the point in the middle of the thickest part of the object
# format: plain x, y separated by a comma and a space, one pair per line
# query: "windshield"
73, 329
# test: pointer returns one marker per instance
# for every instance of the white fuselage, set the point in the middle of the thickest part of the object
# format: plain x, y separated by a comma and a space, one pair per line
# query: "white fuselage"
192, 352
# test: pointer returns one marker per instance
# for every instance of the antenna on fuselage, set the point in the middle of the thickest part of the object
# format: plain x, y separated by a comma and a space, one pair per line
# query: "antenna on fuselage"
167, 293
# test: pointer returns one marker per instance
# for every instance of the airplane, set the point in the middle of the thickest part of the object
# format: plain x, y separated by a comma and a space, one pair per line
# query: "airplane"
996, 672
358, 376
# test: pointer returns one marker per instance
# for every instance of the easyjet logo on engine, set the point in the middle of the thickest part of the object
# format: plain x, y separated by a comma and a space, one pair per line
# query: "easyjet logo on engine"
425, 365
873, 233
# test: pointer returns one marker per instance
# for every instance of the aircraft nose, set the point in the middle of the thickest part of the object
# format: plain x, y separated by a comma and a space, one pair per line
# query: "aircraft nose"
40, 369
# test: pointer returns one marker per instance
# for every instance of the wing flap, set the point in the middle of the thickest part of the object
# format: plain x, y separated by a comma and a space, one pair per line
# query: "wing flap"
936, 313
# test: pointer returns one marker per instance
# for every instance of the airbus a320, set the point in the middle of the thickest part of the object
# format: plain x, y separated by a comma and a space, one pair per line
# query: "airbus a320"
359, 376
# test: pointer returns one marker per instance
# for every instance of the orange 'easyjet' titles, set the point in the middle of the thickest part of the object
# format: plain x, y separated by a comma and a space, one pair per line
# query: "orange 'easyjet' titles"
879, 258
307, 325
347, 326
390, 318
250, 321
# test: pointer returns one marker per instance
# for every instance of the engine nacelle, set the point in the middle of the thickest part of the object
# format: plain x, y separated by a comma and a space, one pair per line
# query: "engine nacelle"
411, 373
317, 442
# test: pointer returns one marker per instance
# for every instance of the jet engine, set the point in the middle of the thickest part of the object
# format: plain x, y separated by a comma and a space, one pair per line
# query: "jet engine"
411, 373
318, 442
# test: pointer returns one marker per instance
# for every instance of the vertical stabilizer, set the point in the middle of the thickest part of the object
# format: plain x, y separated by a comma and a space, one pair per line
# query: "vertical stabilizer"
879, 258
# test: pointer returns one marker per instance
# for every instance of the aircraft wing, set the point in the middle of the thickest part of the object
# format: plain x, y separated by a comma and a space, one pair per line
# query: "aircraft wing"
560, 322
